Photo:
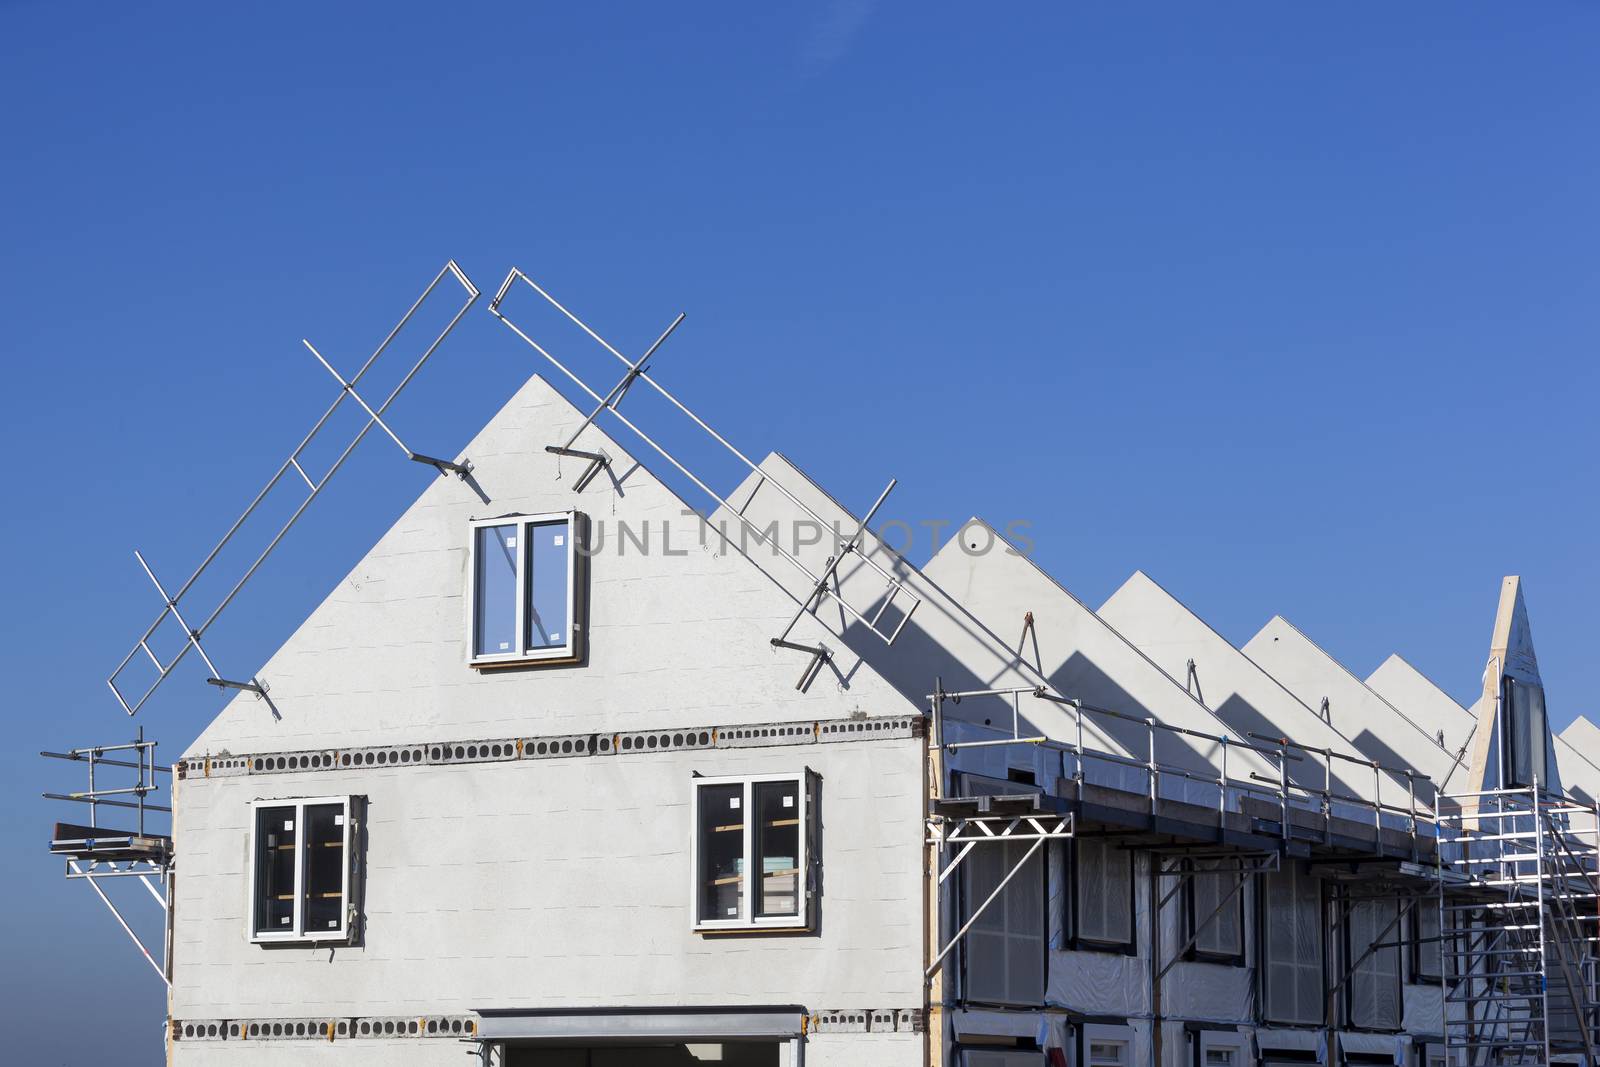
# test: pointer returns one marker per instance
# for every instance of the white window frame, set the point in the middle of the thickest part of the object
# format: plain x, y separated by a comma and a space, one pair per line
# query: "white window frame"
1223, 1041
1091, 1034
298, 932
747, 919
572, 648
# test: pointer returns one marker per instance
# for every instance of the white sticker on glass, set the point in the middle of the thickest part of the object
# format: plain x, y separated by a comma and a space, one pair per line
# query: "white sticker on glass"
288, 824
338, 820
555, 635
733, 802
733, 913
558, 541
504, 645
788, 802
511, 542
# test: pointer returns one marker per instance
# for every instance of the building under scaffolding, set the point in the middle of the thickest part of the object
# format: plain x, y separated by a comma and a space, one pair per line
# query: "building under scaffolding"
573, 771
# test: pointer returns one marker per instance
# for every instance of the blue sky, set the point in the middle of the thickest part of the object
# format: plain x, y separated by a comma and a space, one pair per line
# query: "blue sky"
1292, 306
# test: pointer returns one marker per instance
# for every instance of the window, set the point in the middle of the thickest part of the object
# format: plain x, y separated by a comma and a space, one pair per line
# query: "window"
1102, 896
1003, 955
1220, 1048
1214, 913
973, 1057
1426, 955
760, 827
1526, 734
1374, 987
1291, 945
524, 603
1106, 1046
300, 860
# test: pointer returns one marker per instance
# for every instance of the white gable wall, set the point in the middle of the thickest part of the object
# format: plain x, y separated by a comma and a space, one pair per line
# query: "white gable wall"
1372, 724
559, 882
1244, 696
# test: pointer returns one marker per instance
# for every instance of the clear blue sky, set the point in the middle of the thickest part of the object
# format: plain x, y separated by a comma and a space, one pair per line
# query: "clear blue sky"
1293, 306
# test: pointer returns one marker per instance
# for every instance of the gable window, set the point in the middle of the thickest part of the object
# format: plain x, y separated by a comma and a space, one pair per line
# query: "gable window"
1291, 946
1102, 896
524, 603
1526, 733
1214, 913
300, 869
752, 847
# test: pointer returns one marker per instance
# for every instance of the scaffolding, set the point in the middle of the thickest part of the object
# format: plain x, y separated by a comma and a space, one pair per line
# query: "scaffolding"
94, 852
824, 585
1519, 927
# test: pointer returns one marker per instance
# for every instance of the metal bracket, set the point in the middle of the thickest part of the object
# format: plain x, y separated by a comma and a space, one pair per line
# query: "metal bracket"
1037, 829
819, 656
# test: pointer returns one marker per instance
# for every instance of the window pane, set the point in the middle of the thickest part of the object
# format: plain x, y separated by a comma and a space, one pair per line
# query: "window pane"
548, 605
1104, 887
325, 866
1222, 934
777, 843
1429, 953
1292, 983
721, 847
275, 852
494, 593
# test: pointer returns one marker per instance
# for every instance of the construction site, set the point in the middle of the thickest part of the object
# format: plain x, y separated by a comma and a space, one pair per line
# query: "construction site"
527, 789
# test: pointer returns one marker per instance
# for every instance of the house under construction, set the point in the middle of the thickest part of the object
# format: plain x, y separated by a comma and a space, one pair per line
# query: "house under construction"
574, 771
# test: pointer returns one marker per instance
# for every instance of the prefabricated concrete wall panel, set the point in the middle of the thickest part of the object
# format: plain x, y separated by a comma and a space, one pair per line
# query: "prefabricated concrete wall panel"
863, 1050
557, 883
941, 642
1082, 656
678, 636
1376, 727
1407, 688
1243, 695
428, 1052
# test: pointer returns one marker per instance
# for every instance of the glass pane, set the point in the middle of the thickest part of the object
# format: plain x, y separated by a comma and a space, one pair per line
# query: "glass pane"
1218, 931
1429, 953
721, 830
274, 889
548, 544
777, 843
325, 865
494, 592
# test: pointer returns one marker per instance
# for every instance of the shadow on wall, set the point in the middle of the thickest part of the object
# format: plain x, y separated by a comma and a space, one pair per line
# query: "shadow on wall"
1372, 745
1243, 717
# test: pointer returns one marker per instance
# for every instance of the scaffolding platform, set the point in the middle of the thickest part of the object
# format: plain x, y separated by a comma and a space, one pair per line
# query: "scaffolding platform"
100, 843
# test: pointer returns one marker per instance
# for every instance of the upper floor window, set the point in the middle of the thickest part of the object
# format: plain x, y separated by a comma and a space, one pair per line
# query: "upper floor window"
1291, 946
1525, 734
525, 602
1372, 949
301, 869
1427, 950
752, 847
1214, 913
1102, 895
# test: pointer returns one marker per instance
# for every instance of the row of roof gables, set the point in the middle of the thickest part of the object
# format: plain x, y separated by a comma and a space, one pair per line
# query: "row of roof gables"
994, 620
